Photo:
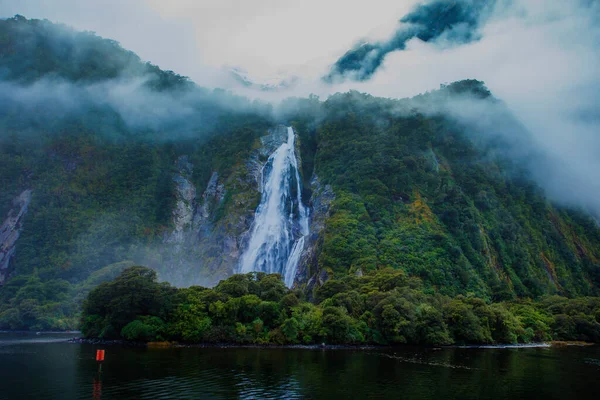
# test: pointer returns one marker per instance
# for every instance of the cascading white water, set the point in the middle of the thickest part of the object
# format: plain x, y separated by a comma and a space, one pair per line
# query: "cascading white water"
281, 220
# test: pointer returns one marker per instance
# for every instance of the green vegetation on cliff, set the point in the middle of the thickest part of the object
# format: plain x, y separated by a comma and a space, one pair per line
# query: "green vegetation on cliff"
417, 190
382, 307
102, 185
96, 133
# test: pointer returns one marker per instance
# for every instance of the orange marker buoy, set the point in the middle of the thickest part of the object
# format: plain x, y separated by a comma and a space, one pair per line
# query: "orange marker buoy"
99, 355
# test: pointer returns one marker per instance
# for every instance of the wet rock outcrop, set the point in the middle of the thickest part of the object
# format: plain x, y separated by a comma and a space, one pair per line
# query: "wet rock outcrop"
181, 258
308, 270
10, 231
185, 206
210, 230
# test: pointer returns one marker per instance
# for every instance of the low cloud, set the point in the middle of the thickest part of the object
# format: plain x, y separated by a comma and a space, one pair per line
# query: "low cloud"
454, 22
540, 57
180, 113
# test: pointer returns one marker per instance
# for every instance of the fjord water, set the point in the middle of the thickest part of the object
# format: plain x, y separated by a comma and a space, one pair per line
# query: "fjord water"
47, 367
281, 219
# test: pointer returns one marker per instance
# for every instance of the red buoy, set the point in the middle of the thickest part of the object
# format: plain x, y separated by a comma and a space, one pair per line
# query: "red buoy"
99, 355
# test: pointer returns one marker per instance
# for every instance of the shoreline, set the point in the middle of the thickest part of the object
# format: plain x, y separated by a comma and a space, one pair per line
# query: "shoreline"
164, 345
39, 332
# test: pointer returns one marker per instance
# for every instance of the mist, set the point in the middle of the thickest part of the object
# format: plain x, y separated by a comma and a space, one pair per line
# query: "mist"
455, 22
126, 104
540, 57
489, 121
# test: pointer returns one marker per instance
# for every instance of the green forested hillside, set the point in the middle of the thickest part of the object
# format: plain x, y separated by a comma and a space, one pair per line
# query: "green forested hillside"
415, 190
34, 49
101, 187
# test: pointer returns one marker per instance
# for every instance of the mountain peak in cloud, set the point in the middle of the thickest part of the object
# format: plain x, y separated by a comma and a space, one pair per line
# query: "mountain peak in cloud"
272, 83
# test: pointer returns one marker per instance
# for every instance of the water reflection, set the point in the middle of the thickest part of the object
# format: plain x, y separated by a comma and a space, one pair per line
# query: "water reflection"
97, 388
60, 370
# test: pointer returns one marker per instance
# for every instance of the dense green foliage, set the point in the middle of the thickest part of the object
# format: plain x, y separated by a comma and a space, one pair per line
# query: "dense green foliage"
32, 49
31, 302
417, 192
383, 307
413, 192
97, 202
103, 189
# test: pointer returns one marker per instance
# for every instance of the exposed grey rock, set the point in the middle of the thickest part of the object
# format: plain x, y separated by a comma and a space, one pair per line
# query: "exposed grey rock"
308, 269
10, 231
185, 206
214, 193
185, 255
322, 277
209, 234
316, 281
268, 144
432, 157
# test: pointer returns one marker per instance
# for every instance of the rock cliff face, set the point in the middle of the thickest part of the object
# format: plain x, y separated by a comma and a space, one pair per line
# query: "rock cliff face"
210, 231
191, 215
181, 259
268, 144
308, 271
185, 206
10, 231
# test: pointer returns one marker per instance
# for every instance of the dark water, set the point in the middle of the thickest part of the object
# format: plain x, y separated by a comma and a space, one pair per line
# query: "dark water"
46, 367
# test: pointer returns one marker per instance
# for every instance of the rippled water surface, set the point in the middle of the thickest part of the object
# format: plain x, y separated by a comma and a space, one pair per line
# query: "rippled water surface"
46, 367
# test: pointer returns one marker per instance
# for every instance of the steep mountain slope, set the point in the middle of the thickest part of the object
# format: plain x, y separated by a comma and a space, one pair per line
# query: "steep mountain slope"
123, 163
101, 170
421, 193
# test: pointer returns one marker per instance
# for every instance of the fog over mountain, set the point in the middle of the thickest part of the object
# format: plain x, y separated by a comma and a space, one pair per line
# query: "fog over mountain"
255, 162
456, 22
539, 57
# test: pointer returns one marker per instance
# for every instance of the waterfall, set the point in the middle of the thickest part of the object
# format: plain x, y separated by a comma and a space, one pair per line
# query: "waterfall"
281, 220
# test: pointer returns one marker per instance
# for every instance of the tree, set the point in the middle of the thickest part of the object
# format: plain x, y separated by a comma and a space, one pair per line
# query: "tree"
112, 305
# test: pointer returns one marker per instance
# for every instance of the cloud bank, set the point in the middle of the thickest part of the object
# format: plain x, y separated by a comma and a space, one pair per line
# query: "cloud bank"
115, 104
456, 21
540, 57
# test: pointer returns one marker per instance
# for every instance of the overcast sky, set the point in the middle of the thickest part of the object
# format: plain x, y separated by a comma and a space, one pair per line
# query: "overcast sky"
541, 57
193, 36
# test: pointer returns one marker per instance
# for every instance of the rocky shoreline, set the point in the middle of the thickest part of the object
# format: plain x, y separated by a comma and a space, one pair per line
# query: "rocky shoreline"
280, 346
103, 342
127, 343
